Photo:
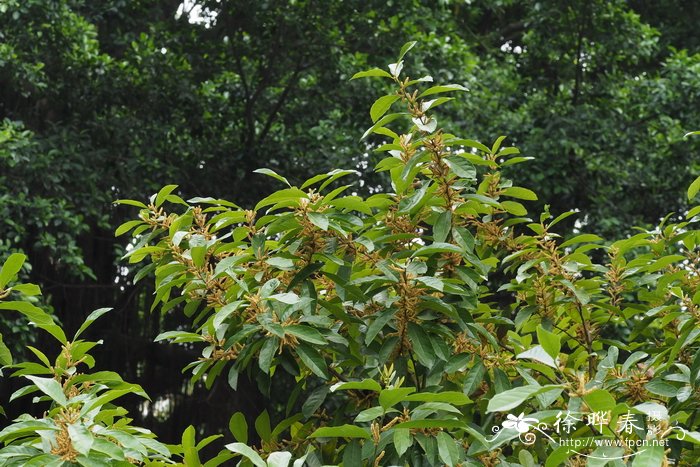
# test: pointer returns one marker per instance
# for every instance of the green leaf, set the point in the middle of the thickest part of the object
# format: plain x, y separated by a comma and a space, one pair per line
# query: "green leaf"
267, 353
92, 317
111, 395
651, 456
510, 399
126, 226
450, 397
364, 385
371, 73
313, 360
38, 317
342, 431
11, 267
381, 123
414, 199
432, 282
421, 345
314, 401
273, 174
279, 459
437, 247
5, 354
661, 388
404, 49
461, 167
238, 426
431, 104
198, 254
262, 426
378, 324
664, 261
447, 449
372, 413
285, 195
352, 454
599, 400
693, 189
442, 88
520, 193
51, 388
474, 377
497, 144
431, 423
583, 238
319, 219
245, 451
27, 289
131, 202
514, 208
653, 410
539, 354
402, 440
693, 212
163, 194
549, 341
559, 456
442, 226
516, 160
580, 294
306, 333
470, 143
290, 298
381, 105
390, 397
81, 438
334, 175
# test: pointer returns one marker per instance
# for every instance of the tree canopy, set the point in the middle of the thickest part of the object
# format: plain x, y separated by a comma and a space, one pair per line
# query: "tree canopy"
111, 99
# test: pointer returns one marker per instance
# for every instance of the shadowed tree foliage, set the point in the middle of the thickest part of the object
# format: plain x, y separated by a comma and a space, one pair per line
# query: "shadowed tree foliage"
102, 100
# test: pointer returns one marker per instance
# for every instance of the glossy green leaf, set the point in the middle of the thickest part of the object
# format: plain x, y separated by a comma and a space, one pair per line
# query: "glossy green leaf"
51, 388
10, 268
447, 449
402, 440
5, 354
374, 72
163, 194
512, 398
238, 426
365, 385
313, 360
273, 174
381, 105
461, 167
549, 341
91, 318
693, 189
520, 193
442, 88
247, 452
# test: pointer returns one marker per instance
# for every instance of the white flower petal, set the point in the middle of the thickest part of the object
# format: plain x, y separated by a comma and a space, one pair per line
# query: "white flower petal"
395, 68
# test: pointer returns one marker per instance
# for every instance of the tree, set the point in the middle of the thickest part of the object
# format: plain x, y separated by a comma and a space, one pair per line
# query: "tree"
414, 324
108, 99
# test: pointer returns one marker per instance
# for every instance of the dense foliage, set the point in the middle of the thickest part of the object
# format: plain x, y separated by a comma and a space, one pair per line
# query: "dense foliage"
401, 328
106, 99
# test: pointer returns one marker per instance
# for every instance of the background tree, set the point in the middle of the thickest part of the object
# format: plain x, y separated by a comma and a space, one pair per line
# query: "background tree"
111, 99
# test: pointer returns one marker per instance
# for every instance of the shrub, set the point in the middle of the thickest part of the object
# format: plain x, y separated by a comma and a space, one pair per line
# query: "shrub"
413, 326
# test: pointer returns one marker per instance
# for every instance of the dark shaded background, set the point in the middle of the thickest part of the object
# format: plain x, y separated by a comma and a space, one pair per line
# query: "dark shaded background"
102, 100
